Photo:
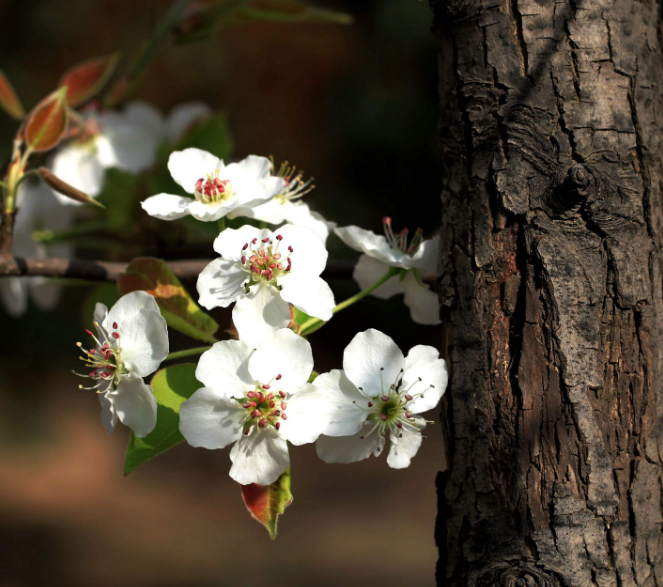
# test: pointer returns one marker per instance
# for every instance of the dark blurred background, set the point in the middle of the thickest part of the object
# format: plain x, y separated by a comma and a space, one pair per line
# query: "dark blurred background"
356, 107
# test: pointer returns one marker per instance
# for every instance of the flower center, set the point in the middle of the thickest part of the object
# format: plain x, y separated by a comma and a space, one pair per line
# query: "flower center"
264, 407
212, 189
264, 261
390, 411
399, 241
103, 360
295, 186
86, 135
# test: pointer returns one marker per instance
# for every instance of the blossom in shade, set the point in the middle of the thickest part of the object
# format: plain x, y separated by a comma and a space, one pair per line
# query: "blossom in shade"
258, 399
414, 257
379, 392
287, 205
263, 271
131, 342
217, 188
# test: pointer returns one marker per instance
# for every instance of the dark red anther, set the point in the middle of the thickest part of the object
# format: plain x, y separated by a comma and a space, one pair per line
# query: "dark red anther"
254, 241
199, 185
261, 396
105, 375
385, 398
277, 425
93, 373
109, 354
283, 405
116, 335
291, 249
251, 394
271, 404
92, 351
383, 417
282, 394
263, 423
265, 387
399, 424
256, 414
278, 377
265, 240
248, 405
408, 397
284, 416
270, 396
246, 246
243, 259
88, 332
278, 237
408, 414
246, 430
272, 265
114, 325
370, 404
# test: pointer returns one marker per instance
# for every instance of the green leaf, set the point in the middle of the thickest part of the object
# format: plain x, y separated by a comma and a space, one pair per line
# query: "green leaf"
120, 198
177, 307
267, 503
171, 386
212, 135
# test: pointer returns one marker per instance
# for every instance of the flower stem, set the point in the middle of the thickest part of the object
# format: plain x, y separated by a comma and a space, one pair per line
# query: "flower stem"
222, 223
187, 353
314, 324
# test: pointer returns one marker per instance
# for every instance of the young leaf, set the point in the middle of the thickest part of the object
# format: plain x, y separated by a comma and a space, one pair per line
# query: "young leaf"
65, 189
177, 307
171, 386
84, 80
48, 122
9, 100
267, 503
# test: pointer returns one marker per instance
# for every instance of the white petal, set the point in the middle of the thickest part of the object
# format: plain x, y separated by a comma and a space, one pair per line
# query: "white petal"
210, 212
167, 206
372, 244
368, 270
14, 296
131, 304
108, 415
183, 117
272, 212
349, 449
190, 165
423, 302
126, 147
256, 167
144, 342
282, 353
221, 283
309, 256
230, 242
423, 362
100, 314
224, 368
311, 294
403, 449
45, 294
261, 457
345, 417
210, 420
260, 313
308, 416
299, 214
147, 116
372, 361
135, 404
426, 256
79, 166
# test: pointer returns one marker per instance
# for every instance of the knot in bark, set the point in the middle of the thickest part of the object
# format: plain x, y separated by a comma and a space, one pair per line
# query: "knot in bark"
518, 575
572, 189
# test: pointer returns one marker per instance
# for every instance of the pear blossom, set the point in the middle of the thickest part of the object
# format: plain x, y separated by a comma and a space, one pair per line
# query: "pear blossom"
37, 210
287, 206
263, 271
258, 399
217, 188
414, 258
379, 391
131, 342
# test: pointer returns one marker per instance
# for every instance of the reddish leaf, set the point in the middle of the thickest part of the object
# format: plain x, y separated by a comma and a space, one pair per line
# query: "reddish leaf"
84, 80
48, 122
267, 503
177, 307
9, 100
65, 189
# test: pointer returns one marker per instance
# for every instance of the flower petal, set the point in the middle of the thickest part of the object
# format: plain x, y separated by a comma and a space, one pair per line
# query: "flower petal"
349, 449
221, 283
261, 457
80, 168
14, 296
256, 167
309, 256
311, 294
260, 313
424, 373
135, 404
183, 117
423, 302
372, 362
210, 212
368, 270
299, 214
308, 416
143, 342
190, 165
131, 304
426, 256
282, 353
108, 415
230, 242
146, 116
403, 449
126, 146
167, 206
272, 212
374, 245
210, 420
345, 416
224, 368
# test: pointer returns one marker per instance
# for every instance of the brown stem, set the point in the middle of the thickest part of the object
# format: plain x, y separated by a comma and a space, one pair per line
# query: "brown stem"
6, 231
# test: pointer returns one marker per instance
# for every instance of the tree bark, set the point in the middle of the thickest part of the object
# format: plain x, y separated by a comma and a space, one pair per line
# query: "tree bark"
552, 292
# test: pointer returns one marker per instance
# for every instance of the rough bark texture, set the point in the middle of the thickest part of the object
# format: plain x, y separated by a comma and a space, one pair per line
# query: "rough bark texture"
552, 291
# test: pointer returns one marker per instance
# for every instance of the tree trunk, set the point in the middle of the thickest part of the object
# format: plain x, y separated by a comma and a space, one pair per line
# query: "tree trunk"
552, 292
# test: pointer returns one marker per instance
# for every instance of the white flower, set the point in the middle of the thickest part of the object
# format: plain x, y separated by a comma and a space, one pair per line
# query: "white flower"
379, 391
382, 252
37, 209
263, 271
131, 342
217, 188
108, 139
287, 206
258, 399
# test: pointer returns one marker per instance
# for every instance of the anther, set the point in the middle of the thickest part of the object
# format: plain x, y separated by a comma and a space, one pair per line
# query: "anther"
265, 387
251, 394
279, 377
291, 249
263, 423
383, 417
265, 240
116, 335
277, 425
247, 405
408, 397
385, 398
284, 416
408, 414
370, 404
114, 325
89, 333
282, 394
399, 424
256, 414
246, 246
283, 405
278, 237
